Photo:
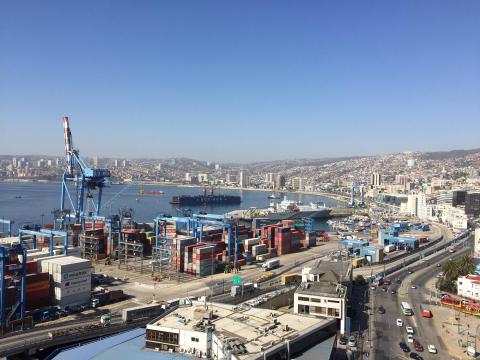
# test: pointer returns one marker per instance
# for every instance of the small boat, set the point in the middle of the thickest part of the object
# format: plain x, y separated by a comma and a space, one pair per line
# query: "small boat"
18, 197
273, 196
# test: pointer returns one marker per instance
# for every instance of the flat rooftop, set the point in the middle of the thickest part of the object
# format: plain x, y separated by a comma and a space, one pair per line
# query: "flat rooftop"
319, 288
255, 329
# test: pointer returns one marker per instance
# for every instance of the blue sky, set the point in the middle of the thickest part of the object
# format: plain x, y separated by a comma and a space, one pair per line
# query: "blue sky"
239, 81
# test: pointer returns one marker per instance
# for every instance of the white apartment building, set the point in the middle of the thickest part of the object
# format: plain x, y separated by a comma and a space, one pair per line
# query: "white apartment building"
453, 216
416, 205
469, 287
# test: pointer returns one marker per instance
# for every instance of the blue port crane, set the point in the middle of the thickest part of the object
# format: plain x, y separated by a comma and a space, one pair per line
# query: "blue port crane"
8, 223
85, 181
202, 219
9, 261
44, 233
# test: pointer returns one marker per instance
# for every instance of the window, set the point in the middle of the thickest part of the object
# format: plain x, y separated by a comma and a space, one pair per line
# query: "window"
303, 298
333, 301
194, 339
162, 336
315, 300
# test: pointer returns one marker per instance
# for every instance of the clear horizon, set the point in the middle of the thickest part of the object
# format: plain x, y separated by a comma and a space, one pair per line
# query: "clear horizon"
239, 82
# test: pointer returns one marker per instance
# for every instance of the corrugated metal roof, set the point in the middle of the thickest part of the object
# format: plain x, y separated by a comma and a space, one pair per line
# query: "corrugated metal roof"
322, 351
125, 346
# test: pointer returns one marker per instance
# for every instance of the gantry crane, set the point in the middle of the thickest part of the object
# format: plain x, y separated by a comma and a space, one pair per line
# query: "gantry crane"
85, 181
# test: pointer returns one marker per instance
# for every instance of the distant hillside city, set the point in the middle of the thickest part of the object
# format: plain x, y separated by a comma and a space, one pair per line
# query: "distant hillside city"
419, 182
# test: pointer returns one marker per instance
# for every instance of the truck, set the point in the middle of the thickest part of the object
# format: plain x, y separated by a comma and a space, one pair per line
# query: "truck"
388, 248
105, 319
107, 297
263, 277
271, 264
288, 279
237, 290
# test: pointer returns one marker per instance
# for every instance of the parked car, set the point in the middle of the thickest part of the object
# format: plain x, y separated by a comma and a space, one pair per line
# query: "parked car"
415, 356
343, 340
381, 310
432, 349
418, 346
404, 347
393, 291
409, 330
414, 286
399, 322
352, 341
410, 338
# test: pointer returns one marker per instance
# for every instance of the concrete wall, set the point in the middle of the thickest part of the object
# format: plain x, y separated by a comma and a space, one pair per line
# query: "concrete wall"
285, 299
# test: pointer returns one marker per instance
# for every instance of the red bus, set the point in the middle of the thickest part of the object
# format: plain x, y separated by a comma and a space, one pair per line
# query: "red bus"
425, 311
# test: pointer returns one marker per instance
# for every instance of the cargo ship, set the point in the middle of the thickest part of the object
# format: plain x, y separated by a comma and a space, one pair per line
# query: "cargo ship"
198, 200
207, 198
285, 210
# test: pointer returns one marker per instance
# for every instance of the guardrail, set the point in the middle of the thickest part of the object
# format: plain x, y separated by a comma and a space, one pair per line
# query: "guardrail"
419, 257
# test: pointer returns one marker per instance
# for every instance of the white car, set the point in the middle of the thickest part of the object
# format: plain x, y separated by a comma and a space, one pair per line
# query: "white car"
432, 349
410, 338
409, 330
399, 322
414, 286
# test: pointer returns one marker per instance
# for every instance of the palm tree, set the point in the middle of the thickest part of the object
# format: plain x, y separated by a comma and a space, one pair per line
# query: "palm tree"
466, 265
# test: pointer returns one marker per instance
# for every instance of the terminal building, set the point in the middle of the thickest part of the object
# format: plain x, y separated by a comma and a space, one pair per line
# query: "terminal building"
220, 331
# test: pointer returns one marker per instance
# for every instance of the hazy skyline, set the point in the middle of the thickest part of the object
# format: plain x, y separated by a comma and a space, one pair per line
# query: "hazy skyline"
239, 81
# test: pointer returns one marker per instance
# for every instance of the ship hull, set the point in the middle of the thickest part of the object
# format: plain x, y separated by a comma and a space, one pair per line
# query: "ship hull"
206, 200
293, 215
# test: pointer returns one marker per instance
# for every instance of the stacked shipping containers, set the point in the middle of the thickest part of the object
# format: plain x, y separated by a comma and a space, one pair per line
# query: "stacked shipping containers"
179, 245
203, 260
70, 278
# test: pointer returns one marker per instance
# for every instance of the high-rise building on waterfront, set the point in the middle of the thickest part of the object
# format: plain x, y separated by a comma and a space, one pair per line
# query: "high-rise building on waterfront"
298, 183
244, 180
376, 179
279, 182
472, 203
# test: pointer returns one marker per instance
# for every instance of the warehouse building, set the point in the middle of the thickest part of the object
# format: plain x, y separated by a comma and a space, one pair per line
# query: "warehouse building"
220, 331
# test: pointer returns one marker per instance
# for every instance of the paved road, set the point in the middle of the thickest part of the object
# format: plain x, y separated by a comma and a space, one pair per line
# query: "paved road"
440, 231
388, 334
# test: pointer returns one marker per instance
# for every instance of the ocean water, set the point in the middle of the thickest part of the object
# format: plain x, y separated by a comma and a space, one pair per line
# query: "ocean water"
33, 203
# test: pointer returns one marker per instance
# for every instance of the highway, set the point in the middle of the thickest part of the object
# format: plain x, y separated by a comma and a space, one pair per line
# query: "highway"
385, 332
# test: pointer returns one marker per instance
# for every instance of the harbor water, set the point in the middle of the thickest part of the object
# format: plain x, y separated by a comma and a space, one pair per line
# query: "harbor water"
33, 203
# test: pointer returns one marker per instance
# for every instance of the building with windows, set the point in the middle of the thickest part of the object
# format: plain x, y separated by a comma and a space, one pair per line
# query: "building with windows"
376, 179
244, 180
324, 291
298, 183
221, 331
469, 287
280, 182
472, 203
